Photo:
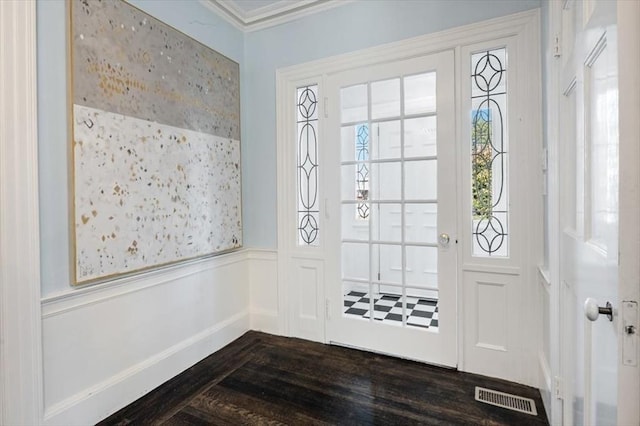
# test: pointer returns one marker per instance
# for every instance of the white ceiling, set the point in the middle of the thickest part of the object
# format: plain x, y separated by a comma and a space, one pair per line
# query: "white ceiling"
251, 15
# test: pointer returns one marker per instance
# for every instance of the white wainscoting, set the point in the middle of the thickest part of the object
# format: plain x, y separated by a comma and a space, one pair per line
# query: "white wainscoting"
306, 299
263, 273
107, 345
496, 333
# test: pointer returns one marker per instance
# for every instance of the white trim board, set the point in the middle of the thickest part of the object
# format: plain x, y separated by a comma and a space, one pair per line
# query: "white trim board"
80, 297
20, 328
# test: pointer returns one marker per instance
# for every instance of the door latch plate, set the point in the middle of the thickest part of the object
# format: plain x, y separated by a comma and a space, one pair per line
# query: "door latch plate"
629, 334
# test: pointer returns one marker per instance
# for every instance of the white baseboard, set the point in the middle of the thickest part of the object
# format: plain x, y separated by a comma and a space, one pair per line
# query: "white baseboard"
546, 383
103, 399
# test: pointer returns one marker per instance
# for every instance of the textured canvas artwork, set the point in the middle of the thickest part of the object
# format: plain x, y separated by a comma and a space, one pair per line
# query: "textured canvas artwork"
156, 143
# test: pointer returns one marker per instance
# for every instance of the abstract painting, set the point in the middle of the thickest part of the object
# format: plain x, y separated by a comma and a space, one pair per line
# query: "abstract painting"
155, 122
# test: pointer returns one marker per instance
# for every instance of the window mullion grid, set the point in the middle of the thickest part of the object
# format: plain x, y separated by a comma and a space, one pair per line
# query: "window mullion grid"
403, 208
372, 181
391, 118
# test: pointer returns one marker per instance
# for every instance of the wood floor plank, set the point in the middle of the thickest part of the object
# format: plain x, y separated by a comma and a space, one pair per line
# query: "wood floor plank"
237, 405
264, 379
162, 402
218, 414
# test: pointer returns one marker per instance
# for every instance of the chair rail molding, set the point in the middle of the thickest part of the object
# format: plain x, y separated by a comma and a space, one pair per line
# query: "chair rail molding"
21, 385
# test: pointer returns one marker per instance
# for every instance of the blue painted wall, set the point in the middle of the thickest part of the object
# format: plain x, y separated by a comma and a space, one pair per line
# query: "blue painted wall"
355, 26
190, 17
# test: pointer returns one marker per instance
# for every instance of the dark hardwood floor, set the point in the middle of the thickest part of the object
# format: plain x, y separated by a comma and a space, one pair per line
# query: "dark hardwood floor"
265, 379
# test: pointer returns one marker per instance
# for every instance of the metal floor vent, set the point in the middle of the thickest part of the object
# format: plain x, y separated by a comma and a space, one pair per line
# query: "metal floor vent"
506, 400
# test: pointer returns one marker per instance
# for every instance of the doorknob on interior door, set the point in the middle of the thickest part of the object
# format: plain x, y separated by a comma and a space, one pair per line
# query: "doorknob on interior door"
592, 310
443, 239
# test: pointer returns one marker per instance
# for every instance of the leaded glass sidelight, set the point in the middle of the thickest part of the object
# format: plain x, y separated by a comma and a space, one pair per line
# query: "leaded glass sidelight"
489, 154
362, 171
307, 164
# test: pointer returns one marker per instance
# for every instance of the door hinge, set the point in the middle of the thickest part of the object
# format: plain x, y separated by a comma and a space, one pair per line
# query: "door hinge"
326, 107
544, 159
558, 389
327, 309
557, 46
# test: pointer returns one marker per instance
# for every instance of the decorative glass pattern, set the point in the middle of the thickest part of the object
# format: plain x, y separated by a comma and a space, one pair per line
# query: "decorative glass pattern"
489, 157
362, 171
308, 204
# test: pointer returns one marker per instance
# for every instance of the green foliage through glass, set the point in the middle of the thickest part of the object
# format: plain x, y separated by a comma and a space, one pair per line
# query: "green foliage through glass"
482, 158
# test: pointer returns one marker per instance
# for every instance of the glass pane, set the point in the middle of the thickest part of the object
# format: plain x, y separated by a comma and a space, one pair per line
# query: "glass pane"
353, 103
421, 223
571, 162
421, 180
386, 181
307, 165
386, 140
489, 153
348, 139
355, 299
387, 222
389, 305
422, 266
424, 309
420, 93
355, 261
361, 141
307, 103
308, 228
387, 263
354, 227
489, 73
420, 137
603, 149
385, 98
490, 235
348, 183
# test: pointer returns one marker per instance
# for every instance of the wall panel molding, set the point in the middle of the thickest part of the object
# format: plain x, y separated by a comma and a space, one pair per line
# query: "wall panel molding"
79, 298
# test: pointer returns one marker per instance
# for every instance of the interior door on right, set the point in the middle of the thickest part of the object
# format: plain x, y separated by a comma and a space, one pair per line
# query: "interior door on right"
589, 174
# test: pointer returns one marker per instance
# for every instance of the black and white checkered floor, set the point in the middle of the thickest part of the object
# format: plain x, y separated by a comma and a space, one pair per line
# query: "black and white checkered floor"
388, 308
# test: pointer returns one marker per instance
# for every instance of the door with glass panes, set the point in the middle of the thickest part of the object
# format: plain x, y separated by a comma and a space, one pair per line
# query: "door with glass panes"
391, 185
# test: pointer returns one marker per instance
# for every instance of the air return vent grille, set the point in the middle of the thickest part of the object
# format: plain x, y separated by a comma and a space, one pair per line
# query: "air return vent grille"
505, 400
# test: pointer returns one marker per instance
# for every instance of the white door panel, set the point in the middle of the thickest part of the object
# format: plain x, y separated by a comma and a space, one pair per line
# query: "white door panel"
391, 287
589, 250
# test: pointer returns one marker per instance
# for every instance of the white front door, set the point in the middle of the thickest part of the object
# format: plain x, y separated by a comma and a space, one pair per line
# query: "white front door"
589, 243
390, 180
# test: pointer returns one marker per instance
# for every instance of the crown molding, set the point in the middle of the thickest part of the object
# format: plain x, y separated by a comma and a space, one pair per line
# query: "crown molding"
270, 15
